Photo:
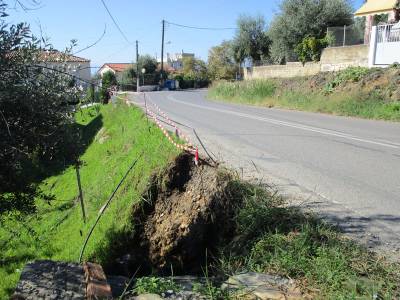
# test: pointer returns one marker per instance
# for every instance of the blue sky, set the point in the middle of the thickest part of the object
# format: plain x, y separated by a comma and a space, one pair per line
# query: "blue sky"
84, 20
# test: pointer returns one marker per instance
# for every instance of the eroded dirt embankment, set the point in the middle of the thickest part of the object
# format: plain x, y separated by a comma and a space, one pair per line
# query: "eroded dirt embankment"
184, 216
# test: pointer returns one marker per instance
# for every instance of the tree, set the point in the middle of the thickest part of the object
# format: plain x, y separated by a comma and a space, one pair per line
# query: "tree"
107, 80
34, 115
128, 76
149, 63
221, 62
298, 19
194, 69
251, 39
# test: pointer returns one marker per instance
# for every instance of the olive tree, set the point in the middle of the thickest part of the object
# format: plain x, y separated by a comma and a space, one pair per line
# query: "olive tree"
251, 40
35, 113
221, 62
298, 19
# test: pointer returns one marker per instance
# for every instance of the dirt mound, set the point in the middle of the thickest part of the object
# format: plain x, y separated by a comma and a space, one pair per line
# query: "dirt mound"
185, 214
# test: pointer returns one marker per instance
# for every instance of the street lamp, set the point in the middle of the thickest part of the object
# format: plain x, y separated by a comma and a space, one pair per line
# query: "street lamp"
143, 71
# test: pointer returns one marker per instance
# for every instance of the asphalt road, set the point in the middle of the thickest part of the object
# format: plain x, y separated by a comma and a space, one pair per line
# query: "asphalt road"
345, 168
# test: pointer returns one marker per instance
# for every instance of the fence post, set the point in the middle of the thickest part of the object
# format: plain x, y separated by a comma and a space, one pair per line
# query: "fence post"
372, 47
78, 178
344, 36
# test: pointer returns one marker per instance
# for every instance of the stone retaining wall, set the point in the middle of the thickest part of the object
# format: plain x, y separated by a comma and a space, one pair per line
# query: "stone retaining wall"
332, 59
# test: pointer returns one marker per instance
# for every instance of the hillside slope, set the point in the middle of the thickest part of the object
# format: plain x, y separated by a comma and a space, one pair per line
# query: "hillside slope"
116, 136
359, 92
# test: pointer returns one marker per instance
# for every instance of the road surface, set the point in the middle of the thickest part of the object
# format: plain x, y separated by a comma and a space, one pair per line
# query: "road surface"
345, 168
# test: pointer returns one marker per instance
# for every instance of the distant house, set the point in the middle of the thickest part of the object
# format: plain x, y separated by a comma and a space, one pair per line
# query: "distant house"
372, 8
116, 68
76, 66
175, 61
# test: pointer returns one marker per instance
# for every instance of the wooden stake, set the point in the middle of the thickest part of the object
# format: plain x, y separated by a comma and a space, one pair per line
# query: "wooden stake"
78, 178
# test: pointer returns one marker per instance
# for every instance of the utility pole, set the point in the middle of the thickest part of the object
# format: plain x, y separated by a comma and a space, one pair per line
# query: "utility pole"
137, 66
162, 51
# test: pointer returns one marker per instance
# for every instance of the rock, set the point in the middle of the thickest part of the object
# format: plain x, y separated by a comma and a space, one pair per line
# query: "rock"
148, 297
262, 286
267, 293
253, 280
45, 279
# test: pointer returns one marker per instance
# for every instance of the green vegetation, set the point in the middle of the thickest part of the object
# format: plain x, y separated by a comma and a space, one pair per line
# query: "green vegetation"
114, 138
298, 19
107, 81
353, 74
252, 92
276, 238
310, 48
155, 285
359, 92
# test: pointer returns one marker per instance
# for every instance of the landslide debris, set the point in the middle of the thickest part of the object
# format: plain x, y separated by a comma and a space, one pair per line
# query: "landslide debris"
185, 214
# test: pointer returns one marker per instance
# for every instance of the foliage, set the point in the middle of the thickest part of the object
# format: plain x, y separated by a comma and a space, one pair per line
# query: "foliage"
107, 80
353, 74
221, 62
155, 285
128, 76
251, 39
310, 48
303, 94
300, 18
148, 62
277, 238
381, 18
252, 91
34, 114
113, 139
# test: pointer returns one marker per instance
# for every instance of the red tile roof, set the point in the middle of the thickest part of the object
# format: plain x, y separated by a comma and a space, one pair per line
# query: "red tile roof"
118, 67
57, 56
50, 56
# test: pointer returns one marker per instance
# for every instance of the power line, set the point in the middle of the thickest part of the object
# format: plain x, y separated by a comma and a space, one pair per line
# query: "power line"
96, 42
115, 22
201, 28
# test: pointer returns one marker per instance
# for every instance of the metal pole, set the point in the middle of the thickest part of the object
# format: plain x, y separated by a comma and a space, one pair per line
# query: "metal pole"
344, 36
162, 50
137, 67
78, 178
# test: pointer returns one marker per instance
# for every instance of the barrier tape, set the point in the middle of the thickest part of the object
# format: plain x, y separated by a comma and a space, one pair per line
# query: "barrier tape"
186, 147
170, 122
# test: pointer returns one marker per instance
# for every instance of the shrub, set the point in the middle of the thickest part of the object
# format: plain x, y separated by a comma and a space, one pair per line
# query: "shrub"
310, 48
34, 113
353, 74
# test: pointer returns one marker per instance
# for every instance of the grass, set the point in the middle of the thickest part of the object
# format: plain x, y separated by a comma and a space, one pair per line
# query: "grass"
155, 285
332, 97
57, 231
276, 238
251, 92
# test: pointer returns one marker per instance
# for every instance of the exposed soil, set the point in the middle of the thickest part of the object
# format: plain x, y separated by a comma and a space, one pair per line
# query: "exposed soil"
185, 214
386, 82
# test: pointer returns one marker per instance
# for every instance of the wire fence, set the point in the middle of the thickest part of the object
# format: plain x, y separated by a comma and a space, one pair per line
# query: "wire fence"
347, 35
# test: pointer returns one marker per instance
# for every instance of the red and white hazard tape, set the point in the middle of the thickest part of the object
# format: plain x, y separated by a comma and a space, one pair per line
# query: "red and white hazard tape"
185, 147
170, 122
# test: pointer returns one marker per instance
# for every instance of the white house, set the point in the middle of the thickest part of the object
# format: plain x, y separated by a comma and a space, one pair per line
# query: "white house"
76, 66
116, 68
175, 61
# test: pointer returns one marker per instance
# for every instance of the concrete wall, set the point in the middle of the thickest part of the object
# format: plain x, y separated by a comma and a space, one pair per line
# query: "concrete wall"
332, 59
339, 58
282, 71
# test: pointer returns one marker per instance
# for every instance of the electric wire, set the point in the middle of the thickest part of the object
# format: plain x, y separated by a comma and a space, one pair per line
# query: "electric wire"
115, 22
201, 28
95, 43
